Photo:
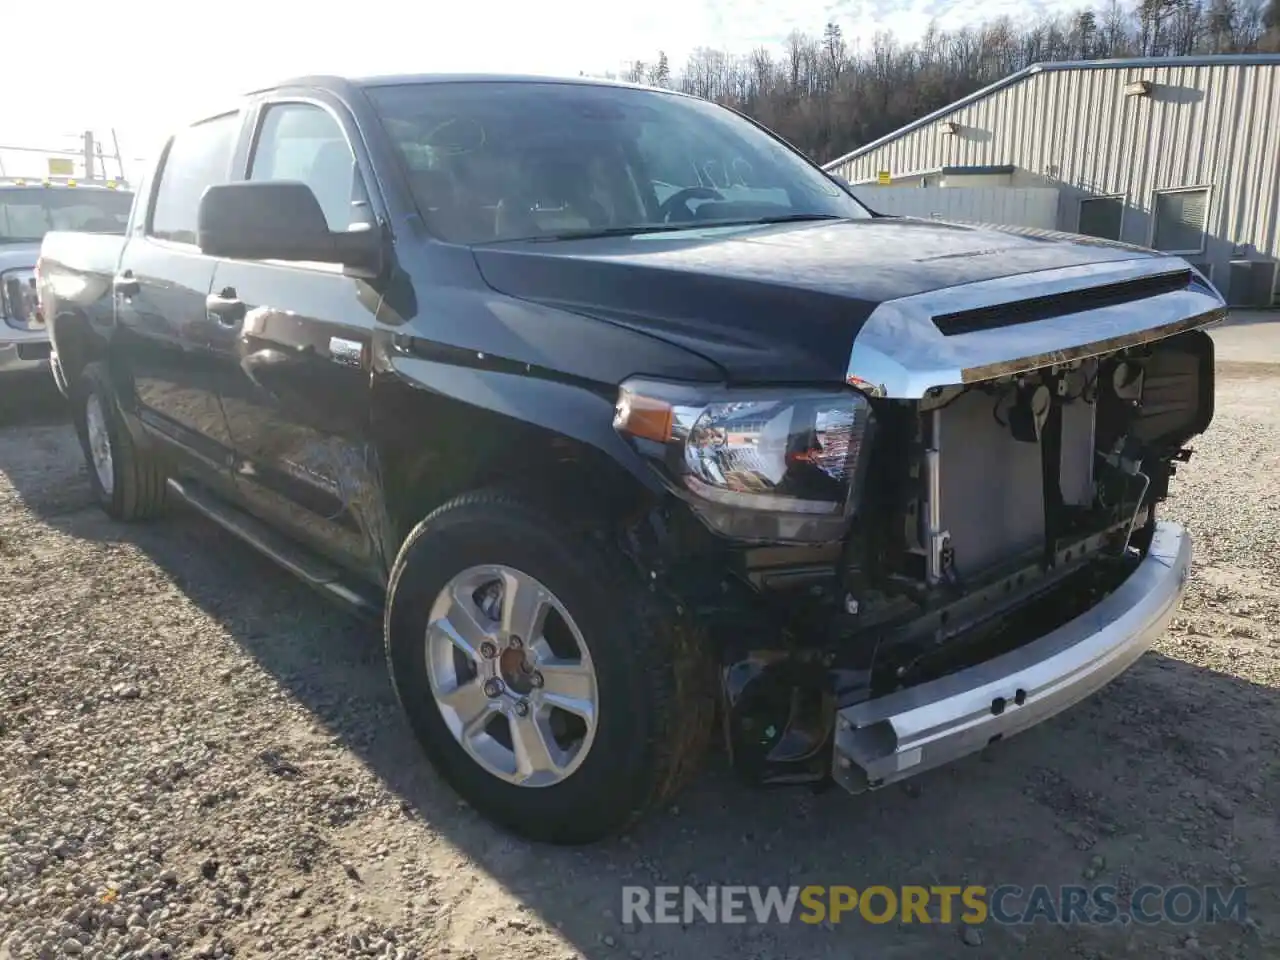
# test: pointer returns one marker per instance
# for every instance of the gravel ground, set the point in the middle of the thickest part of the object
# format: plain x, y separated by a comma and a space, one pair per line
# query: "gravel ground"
1252, 336
199, 757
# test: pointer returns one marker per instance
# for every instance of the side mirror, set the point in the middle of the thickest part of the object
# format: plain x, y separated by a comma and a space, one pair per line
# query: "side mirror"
279, 220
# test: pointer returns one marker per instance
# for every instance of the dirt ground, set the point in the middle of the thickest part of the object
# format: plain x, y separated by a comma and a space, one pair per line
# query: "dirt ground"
199, 757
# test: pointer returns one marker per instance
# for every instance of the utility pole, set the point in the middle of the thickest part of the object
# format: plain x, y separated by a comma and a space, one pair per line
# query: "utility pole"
115, 142
89, 153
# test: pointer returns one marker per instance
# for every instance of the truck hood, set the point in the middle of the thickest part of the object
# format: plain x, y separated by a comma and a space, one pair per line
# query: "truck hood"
785, 302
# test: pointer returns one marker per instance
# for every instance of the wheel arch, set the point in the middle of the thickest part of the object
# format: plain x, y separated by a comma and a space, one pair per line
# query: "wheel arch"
76, 344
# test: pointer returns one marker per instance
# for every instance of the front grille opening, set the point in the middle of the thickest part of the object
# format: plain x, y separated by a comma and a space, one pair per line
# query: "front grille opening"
1060, 304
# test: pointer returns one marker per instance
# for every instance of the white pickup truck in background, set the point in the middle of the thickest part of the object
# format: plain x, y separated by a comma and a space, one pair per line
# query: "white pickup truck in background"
28, 210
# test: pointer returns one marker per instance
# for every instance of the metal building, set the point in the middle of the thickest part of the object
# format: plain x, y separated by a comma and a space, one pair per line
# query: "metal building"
1177, 153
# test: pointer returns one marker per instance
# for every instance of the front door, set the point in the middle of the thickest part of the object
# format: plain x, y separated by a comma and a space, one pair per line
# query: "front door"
296, 341
160, 291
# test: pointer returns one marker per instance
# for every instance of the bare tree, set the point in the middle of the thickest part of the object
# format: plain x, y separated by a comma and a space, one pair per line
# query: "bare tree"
1186, 21
763, 74
795, 44
835, 53
1115, 32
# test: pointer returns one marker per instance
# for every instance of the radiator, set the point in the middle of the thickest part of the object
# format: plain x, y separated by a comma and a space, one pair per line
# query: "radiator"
990, 488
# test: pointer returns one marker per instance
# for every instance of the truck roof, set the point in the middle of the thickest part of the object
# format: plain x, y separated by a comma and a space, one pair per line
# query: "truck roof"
390, 80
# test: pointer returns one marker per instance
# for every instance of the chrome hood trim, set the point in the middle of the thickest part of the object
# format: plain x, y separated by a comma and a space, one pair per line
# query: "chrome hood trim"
900, 353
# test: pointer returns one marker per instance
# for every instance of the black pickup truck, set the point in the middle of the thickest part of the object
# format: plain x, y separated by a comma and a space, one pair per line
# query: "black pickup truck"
636, 427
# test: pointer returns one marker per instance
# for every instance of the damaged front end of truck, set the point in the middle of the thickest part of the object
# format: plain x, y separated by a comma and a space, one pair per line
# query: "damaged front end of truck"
990, 554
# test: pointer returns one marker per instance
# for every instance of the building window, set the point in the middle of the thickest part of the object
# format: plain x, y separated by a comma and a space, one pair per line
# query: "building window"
1101, 217
1180, 218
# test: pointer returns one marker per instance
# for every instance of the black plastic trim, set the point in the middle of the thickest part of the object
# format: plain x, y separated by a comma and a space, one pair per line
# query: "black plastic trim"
1061, 304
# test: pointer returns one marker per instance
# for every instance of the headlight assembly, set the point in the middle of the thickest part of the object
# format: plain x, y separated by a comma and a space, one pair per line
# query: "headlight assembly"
757, 464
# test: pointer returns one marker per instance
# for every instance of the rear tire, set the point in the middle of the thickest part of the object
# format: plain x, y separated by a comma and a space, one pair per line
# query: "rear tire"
128, 481
639, 664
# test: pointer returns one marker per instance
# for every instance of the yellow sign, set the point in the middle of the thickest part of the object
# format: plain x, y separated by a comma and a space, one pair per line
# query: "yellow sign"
62, 167
883, 178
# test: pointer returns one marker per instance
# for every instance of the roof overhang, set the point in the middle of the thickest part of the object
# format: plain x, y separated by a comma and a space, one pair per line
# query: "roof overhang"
1129, 63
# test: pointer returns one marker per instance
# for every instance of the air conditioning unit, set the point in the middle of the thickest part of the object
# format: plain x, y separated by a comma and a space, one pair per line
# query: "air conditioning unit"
1252, 283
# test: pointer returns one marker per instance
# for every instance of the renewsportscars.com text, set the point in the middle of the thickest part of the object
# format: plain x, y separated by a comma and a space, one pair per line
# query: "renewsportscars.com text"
1005, 904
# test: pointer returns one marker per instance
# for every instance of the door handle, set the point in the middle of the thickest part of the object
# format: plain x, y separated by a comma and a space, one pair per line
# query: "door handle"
125, 285
225, 307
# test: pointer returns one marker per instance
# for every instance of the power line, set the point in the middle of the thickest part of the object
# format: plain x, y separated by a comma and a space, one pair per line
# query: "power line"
91, 154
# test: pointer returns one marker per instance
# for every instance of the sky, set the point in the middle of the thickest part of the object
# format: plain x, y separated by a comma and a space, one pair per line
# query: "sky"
141, 67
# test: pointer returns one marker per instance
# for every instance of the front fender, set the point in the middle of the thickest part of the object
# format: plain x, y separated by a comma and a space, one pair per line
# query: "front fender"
528, 406
441, 430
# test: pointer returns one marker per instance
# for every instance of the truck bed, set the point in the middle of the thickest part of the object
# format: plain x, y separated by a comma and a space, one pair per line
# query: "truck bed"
75, 272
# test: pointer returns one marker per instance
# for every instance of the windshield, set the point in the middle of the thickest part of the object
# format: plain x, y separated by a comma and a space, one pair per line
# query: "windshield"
28, 213
520, 160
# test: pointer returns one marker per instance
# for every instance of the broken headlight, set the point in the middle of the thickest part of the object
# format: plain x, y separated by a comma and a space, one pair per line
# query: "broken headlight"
757, 464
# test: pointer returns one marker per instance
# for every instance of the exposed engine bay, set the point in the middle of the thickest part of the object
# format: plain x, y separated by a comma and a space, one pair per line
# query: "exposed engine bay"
993, 512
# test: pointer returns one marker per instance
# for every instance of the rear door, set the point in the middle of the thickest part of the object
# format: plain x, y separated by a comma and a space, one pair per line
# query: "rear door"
295, 344
164, 327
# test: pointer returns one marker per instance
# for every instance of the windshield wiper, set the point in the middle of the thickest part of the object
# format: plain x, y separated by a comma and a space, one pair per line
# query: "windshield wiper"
589, 233
793, 218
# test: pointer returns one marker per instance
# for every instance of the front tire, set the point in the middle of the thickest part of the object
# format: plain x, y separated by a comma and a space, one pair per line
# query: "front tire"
128, 482
555, 692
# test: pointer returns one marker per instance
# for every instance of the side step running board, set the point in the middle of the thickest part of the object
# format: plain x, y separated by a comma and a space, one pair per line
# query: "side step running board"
313, 570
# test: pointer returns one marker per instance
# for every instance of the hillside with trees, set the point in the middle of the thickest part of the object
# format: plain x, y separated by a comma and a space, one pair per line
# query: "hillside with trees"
830, 93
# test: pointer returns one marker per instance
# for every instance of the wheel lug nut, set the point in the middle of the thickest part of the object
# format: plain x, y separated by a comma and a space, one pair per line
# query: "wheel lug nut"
493, 687
536, 680
522, 708
488, 650
515, 643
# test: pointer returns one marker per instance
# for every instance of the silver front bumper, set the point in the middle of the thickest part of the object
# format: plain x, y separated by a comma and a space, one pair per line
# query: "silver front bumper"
899, 735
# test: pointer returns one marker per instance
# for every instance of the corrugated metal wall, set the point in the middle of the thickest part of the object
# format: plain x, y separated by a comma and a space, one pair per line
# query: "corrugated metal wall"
1216, 126
1013, 206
